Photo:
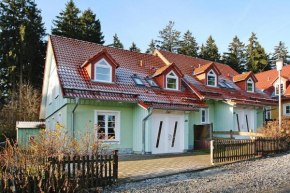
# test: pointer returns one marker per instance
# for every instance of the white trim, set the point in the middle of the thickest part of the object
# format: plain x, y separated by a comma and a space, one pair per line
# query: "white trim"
284, 109
212, 75
117, 139
206, 115
282, 89
250, 81
101, 66
173, 77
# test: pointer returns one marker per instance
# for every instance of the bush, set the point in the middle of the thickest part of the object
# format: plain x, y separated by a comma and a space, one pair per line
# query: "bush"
271, 129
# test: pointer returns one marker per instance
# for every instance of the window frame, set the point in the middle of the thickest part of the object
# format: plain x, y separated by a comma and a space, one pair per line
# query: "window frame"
98, 65
282, 88
205, 110
151, 79
117, 114
172, 77
268, 110
285, 109
136, 77
250, 81
211, 75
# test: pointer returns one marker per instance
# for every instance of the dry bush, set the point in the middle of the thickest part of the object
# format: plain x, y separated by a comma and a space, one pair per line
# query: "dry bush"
271, 129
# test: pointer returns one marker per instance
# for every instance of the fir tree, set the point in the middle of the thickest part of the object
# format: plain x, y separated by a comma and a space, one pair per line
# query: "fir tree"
281, 52
235, 57
168, 38
116, 42
210, 51
188, 45
151, 48
256, 57
68, 23
91, 27
134, 48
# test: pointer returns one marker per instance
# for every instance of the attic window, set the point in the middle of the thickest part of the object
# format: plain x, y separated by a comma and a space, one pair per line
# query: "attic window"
103, 71
250, 85
277, 89
151, 82
138, 81
171, 81
211, 79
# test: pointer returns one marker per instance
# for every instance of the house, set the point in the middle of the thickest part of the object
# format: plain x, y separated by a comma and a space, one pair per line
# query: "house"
269, 83
144, 103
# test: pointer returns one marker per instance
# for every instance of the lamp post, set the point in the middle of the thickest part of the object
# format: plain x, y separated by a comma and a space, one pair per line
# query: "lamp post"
279, 65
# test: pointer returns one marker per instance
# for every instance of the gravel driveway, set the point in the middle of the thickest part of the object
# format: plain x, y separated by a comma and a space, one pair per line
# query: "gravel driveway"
270, 174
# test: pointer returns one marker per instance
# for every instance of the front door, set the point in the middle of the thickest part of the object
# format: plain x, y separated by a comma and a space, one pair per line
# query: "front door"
167, 133
244, 120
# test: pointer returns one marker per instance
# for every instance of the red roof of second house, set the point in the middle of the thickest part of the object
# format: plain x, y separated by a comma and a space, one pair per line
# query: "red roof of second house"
244, 76
188, 64
70, 54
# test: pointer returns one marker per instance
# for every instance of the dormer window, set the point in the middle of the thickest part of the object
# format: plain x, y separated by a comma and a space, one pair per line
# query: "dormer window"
277, 89
103, 71
250, 85
172, 81
211, 79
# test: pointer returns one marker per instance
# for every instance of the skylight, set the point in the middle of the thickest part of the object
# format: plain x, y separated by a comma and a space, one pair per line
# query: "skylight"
151, 82
228, 85
225, 84
138, 81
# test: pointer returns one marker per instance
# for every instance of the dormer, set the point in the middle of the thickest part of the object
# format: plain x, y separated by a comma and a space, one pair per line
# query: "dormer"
168, 77
246, 81
208, 74
101, 67
284, 84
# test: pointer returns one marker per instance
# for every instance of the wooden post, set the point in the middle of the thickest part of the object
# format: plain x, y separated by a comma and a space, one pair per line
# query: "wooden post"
238, 122
212, 152
211, 131
231, 134
115, 164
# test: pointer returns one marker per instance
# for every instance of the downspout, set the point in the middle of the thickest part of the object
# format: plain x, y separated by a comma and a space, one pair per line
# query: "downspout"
143, 129
72, 117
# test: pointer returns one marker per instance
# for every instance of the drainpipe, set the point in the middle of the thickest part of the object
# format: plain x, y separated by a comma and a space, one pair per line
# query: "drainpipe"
72, 117
143, 129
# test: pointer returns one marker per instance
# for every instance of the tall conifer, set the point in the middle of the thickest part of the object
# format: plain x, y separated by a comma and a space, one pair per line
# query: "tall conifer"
210, 51
188, 45
281, 52
134, 48
151, 47
116, 42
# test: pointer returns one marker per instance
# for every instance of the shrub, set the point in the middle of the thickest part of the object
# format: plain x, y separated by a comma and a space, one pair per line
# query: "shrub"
271, 129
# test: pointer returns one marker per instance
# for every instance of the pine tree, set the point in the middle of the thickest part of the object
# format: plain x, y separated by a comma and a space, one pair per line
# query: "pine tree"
235, 57
188, 45
256, 57
91, 27
169, 38
210, 51
281, 52
68, 23
116, 42
151, 48
134, 48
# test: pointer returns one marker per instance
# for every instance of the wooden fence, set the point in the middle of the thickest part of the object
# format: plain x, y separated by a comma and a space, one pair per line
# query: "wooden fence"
70, 175
242, 149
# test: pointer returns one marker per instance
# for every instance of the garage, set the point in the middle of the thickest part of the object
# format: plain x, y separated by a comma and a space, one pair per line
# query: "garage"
167, 133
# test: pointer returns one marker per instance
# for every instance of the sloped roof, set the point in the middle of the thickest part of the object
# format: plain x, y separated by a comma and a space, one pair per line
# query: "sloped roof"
203, 68
244, 76
188, 64
164, 68
70, 54
103, 51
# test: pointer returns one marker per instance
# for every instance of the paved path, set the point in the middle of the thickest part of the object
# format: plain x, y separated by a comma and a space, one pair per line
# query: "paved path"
138, 167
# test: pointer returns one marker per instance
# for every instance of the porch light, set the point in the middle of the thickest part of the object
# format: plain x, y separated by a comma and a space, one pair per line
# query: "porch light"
279, 65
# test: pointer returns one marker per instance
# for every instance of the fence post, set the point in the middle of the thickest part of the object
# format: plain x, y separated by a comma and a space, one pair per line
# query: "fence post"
211, 131
231, 134
212, 152
115, 164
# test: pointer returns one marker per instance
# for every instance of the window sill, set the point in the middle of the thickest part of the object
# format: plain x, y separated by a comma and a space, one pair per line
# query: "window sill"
110, 141
98, 81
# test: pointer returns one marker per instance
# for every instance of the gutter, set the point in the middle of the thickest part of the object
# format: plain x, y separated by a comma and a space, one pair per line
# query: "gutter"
72, 117
143, 129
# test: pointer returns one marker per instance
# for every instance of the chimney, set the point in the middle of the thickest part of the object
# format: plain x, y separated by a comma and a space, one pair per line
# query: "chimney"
229, 75
141, 63
199, 65
268, 78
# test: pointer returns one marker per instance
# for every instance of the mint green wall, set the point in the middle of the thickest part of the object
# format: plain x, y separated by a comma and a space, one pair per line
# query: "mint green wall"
50, 121
224, 117
24, 133
56, 104
139, 113
260, 117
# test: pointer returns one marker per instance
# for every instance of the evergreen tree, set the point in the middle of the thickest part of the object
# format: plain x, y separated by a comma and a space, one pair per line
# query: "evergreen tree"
134, 48
188, 45
116, 42
91, 27
256, 57
210, 51
235, 57
281, 52
169, 38
151, 48
68, 23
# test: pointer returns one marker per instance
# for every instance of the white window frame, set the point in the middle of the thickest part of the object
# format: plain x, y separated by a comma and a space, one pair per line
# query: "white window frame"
172, 77
206, 115
284, 109
268, 110
250, 81
282, 88
102, 66
211, 75
117, 114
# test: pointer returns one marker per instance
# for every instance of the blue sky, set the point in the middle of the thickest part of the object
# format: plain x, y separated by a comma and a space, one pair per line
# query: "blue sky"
140, 21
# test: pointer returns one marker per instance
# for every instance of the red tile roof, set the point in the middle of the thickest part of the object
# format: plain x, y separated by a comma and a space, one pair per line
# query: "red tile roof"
70, 54
188, 64
203, 68
103, 51
244, 76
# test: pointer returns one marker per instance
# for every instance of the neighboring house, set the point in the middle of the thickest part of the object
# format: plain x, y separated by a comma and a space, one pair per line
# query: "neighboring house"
144, 103
269, 83
26, 131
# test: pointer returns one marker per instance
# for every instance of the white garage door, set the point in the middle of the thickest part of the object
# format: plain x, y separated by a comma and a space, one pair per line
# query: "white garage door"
244, 119
167, 133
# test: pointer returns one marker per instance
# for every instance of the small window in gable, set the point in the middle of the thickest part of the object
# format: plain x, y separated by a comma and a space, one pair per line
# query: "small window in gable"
211, 78
172, 81
277, 89
138, 81
151, 82
250, 85
204, 116
103, 71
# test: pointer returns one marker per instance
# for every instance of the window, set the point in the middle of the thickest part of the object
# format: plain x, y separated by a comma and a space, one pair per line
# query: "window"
172, 81
204, 116
250, 85
225, 84
107, 125
277, 89
267, 113
152, 82
103, 71
211, 78
138, 81
286, 109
